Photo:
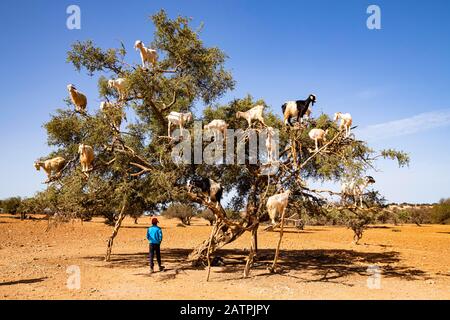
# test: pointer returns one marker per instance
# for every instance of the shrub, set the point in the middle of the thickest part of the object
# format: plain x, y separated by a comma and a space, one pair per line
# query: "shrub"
208, 215
180, 211
11, 205
441, 212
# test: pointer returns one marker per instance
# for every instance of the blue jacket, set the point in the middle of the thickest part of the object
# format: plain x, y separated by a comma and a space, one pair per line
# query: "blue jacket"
154, 235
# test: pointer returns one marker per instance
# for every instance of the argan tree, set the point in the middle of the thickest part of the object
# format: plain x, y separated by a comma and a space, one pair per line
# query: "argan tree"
137, 165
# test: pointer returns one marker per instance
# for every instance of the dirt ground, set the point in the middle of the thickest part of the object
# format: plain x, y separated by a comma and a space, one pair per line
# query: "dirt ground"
392, 262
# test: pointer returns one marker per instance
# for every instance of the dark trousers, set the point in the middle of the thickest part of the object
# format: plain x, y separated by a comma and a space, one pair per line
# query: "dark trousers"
155, 249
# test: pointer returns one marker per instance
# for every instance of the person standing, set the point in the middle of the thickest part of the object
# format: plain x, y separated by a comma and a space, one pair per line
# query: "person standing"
154, 237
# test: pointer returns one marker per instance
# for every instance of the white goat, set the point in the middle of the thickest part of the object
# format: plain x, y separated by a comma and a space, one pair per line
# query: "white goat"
346, 121
276, 204
217, 126
54, 165
121, 85
147, 55
356, 189
270, 144
318, 135
86, 158
255, 113
78, 99
178, 119
112, 113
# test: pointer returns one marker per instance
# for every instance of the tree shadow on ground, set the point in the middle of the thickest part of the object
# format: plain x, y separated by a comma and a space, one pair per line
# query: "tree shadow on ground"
379, 227
321, 265
292, 230
324, 265
25, 281
135, 226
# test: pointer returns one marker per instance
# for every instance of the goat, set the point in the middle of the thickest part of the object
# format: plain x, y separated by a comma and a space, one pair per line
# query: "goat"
298, 109
217, 126
270, 145
86, 158
54, 165
121, 85
112, 113
276, 204
356, 189
178, 118
255, 113
78, 99
213, 190
346, 121
318, 135
147, 55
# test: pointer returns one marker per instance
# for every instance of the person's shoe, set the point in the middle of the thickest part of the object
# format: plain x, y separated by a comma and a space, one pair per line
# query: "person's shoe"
151, 270
161, 268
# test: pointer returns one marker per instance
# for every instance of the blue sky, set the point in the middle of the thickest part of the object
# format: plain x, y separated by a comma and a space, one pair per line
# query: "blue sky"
394, 81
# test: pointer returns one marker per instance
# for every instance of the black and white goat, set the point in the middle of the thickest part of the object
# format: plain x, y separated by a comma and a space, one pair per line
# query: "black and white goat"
213, 190
297, 109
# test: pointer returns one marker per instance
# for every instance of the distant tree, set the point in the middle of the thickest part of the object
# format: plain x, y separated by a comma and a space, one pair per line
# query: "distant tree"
441, 212
11, 205
421, 215
208, 215
403, 216
180, 211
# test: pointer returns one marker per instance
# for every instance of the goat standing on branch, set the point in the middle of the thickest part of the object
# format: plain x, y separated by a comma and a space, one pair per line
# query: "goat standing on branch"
148, 56
299, 109
255, 113
121, 85
318, 135
51, 166
86, 158
346, 121
178, 119
78, 99
211, 189
217, 126
356, 189
277, 204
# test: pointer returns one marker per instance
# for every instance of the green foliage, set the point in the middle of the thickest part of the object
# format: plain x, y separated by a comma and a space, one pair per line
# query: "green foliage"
403, 216
208, 215
180, 211
441, 212
87, 55
402, 158
11, 205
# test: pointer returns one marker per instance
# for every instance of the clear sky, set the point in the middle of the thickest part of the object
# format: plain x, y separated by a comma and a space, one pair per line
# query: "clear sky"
394, 81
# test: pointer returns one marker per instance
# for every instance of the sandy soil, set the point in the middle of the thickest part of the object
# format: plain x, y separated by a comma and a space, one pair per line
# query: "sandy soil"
317, 263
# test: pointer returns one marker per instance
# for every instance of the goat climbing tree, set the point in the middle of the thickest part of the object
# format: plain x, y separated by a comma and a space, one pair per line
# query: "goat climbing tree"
134, 170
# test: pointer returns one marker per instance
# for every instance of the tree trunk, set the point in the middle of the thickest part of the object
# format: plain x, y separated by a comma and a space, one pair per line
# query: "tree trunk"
115, 231
277, 252
224, 234
253, 252
208, 252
